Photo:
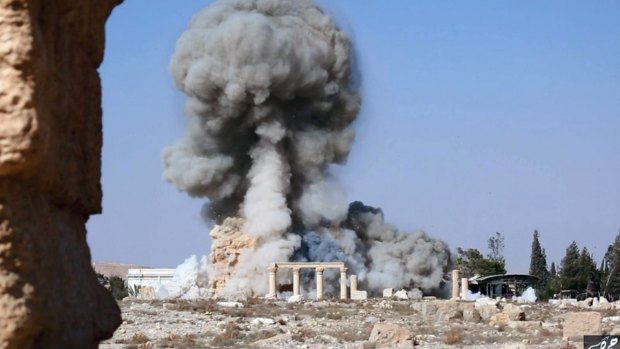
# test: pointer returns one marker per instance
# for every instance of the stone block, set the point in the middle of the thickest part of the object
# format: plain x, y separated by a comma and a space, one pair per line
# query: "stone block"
578, 324
388, 292
487, 311
471, 315
359, 295
499, 319
514, 312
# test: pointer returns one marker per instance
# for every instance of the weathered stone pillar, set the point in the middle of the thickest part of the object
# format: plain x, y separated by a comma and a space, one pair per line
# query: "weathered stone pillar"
353, 283
343, 283
319, 282
50, 171
273, 287
464, 288
455, 284
296, 281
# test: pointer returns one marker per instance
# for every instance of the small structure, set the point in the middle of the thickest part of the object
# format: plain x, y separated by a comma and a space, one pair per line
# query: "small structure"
319, 267
567, 294
505, 285
147, 277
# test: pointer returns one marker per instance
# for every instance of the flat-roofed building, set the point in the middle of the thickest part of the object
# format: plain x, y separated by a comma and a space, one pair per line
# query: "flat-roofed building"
149, 277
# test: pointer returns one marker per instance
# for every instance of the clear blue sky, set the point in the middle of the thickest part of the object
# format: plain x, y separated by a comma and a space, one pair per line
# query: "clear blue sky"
477, 117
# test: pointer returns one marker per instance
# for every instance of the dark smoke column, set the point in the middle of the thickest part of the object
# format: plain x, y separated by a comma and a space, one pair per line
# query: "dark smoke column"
269, 108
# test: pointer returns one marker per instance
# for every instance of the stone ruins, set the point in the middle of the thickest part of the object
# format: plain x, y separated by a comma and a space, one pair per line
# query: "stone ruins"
319, 267
50, 170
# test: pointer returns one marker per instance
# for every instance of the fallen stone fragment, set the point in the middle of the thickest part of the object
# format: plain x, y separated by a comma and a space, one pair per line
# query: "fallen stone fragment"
500, 319
262, 321
391, 335
230, 304
296, 299
402, 294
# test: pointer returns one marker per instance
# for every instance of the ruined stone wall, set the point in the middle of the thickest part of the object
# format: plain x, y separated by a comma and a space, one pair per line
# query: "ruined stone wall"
50, 169
227, 242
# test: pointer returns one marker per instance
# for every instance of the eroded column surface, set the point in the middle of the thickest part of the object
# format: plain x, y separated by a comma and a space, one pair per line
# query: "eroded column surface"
353, 283
455, 284
343, 283
319, 282
50, 169
273, 287
464, 287
296, 281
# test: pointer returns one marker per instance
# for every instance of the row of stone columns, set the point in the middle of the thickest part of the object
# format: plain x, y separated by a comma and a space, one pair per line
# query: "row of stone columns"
319, 281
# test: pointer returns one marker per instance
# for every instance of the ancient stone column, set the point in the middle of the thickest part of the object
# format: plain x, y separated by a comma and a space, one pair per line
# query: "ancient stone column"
353, 283
455, 284
319, 283
296, 281
464, 288
50, 171
343, 283
273, 288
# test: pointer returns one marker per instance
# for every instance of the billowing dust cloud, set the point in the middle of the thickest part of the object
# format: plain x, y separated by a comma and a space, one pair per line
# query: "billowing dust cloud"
270, 106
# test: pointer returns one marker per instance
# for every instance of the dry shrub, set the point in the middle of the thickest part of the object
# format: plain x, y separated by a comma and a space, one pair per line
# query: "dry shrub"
568, 345
228, 337
138, 338
260, 335
453, 337
402, 308
334, 316
179, 342
254, 301
302, 334
546, 333
236, 312
350, 335
200, 306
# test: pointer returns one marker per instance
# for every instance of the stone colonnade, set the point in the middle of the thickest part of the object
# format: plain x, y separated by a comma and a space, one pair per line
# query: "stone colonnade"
318, 267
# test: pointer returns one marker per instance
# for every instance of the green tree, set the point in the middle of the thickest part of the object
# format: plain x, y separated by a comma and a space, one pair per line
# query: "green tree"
587, 275
538, 263
471, 262
118, 288
496, 247
611, 280
570, 273
552, 271
554, 280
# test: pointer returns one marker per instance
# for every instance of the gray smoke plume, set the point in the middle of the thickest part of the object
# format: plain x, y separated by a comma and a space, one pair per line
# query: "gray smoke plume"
270, 107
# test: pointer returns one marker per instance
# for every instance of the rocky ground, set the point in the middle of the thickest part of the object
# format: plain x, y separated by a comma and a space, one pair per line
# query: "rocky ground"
375, 323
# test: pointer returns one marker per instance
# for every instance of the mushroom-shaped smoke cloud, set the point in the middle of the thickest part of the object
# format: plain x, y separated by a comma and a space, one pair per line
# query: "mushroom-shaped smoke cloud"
270, 106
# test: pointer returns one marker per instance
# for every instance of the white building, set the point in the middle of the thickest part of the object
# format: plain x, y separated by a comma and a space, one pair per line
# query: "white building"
144, 277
